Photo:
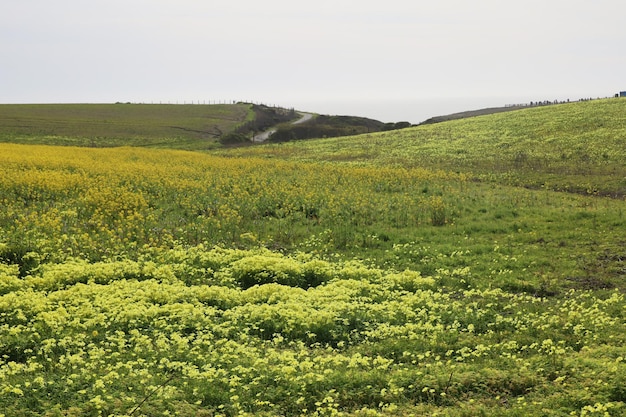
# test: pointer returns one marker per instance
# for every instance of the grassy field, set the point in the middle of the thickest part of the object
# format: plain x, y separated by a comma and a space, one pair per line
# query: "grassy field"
576, 147
428, 271
103, 125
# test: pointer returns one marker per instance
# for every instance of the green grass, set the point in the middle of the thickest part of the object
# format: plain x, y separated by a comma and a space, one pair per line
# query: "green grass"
577, 147
103, 125
429, 271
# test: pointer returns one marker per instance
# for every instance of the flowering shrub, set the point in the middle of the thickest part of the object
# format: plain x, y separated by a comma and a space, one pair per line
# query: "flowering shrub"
143, 282
102, 337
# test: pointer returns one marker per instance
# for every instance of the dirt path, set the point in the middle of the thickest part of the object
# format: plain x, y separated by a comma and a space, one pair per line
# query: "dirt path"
305, 117
263, 136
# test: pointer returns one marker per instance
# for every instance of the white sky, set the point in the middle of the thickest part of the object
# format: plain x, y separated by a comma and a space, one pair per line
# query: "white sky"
312, 55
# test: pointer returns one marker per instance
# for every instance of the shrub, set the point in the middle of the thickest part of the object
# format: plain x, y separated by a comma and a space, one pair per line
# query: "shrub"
261, 269
437, 211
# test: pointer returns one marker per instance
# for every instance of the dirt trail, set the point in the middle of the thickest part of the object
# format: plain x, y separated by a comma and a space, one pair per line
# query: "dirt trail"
263, 136
305, 117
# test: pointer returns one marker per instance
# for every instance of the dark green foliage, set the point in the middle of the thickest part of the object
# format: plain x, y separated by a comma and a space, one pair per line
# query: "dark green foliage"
234, 139
22, 255
333, 126
264, 118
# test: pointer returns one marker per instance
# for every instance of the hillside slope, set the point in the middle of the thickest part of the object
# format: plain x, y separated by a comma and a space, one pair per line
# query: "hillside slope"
332, 126
577, 147
389, 274
154, 125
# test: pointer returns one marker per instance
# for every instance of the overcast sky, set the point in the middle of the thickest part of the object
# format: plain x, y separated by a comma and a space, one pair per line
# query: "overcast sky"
322, 55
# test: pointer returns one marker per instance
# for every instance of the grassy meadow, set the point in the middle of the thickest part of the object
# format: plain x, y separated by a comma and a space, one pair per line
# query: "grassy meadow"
575, 147
470, 268
192, 127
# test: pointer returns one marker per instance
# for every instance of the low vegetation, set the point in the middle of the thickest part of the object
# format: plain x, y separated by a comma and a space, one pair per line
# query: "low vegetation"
323, 126
264, 119
195, 127
574, 147
426, 271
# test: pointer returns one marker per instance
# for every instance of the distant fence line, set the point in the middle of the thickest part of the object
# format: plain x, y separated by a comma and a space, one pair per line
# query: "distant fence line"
549, 102
202, 102
259, 103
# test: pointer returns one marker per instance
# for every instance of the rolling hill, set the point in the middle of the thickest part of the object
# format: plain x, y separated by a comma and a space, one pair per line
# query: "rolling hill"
123, 124
473, 267
576, 147
188, 126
